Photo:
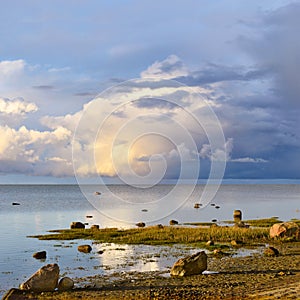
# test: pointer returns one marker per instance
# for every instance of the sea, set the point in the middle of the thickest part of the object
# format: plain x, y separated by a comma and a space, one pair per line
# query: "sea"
27, 210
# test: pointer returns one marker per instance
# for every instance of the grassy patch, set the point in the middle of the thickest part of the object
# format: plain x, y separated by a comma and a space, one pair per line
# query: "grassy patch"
268, 222
164, 236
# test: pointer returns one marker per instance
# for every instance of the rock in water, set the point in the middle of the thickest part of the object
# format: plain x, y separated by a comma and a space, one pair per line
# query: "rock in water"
173, 222
84, 248
190, 265
65, 284
140, 224
77, 225
44, 280
40, 255
285, 229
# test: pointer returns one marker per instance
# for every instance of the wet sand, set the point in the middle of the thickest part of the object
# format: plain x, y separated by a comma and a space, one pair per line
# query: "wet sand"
250, 277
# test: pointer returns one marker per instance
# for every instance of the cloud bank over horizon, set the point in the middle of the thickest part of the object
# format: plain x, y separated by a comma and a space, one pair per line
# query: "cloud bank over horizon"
150, 125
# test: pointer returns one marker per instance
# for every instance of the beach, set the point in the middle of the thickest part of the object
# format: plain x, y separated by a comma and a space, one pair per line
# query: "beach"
249, 277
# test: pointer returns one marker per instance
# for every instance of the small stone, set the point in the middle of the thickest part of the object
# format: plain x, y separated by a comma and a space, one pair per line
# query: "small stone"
40, 255
210, 243
77, 225
159, 226
236, 243
65, 284
95, 227
140, 224
84, 248
173, 222
89, 217
271, 251
15, 203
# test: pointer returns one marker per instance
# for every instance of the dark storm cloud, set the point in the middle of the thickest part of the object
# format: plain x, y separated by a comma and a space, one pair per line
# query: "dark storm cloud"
43, 87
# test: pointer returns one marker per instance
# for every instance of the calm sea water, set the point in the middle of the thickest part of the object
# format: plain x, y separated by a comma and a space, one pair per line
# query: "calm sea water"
45, 207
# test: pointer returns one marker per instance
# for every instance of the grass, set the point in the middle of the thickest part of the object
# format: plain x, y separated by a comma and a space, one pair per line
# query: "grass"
167, 235
268, 222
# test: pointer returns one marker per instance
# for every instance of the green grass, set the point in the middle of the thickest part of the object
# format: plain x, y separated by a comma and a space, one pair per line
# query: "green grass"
268, 222
165, 236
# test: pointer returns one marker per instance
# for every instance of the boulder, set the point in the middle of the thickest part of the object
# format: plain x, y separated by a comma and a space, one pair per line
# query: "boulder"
84, 248
271, 251
40, 255
140, 224
173, 222
65, 284
285, 229
190, 265
77, 225
237, 216
44, 280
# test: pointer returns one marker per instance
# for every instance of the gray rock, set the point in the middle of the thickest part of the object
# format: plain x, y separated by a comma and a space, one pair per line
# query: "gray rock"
65, 284
44, 280
77, 225
190, 265
84, 248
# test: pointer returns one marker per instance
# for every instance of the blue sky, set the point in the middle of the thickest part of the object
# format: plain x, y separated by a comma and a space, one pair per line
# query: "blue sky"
242, 57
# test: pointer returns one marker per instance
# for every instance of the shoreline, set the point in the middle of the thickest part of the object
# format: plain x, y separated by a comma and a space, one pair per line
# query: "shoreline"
249, 277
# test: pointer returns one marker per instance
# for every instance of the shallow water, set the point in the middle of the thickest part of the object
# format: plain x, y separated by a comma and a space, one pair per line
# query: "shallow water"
51, 207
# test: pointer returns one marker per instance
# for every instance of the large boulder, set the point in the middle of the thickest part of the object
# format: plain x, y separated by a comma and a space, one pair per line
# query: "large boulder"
190, 265
285, 229
77, 225
44, 280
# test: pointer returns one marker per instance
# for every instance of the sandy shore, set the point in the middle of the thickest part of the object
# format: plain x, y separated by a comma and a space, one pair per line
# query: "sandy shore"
251, 277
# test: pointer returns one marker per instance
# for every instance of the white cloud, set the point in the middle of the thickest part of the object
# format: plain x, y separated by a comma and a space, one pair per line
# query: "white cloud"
169, 68
10, 68
16, 106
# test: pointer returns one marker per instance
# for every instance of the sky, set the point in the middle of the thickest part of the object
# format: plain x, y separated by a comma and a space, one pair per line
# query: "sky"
141, 90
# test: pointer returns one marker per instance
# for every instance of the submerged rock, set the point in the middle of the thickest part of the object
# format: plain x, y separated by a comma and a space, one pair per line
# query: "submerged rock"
190, 265
77, 225
44, 280
40, 255
65, 284
84, 248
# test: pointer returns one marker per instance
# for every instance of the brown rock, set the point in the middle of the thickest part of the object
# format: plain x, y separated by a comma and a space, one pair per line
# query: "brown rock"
65, 284
44, 280
271, 251
84, 248
190, 265
95, 227
140, 224
173, 222
77, 225
210, 243
237, 216
285, 229
40, 255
